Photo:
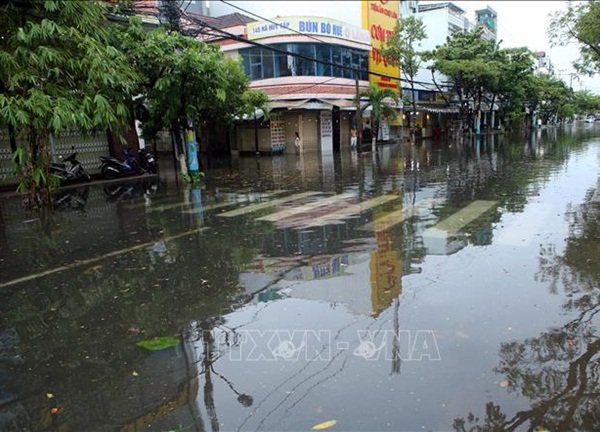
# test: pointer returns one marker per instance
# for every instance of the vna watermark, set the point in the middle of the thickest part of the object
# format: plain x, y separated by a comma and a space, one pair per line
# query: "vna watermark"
321, 345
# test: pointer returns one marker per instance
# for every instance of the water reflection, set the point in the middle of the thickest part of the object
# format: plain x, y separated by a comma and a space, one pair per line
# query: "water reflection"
374, 264
557, 371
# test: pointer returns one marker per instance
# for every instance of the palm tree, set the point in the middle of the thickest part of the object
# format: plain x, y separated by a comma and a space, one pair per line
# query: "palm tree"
380, 100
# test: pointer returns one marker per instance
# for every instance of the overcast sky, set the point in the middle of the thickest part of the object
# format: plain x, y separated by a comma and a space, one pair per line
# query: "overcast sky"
520, 23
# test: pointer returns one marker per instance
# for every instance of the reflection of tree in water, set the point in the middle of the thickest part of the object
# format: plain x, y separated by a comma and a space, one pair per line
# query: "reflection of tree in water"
558, 371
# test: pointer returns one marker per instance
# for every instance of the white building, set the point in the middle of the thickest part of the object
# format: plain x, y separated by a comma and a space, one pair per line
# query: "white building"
543, 64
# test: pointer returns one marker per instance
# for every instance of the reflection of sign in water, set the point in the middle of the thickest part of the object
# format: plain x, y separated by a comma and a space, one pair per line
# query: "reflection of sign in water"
386, 273
384, 130
330, 268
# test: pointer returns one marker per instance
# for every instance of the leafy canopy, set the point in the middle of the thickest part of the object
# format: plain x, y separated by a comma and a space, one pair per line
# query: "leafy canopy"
184, 80
579, 23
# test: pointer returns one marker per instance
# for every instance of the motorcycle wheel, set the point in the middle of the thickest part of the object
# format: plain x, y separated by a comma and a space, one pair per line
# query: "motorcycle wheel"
107, 173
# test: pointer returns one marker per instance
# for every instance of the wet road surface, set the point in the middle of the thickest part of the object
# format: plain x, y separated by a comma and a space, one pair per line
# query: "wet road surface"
431, 287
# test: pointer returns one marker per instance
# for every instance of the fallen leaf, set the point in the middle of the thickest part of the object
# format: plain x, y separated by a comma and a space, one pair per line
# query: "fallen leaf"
158, 343
325, 425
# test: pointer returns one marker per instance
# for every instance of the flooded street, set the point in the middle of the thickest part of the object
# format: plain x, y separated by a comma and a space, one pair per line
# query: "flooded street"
428, 287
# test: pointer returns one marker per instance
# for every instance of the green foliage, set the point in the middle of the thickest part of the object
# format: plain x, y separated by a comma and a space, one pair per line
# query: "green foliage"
548, 96
472, 66
184, 80
380, 100
159, 343
253, 100
516, 68
194, 178
58, 71
586, 102
400, 49
579, 23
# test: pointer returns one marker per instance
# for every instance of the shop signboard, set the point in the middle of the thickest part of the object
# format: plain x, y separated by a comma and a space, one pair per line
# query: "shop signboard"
326, 132
379, 18
314, 26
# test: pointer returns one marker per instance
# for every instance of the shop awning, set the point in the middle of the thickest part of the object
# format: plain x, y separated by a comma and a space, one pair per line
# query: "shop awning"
436, 109
287, 104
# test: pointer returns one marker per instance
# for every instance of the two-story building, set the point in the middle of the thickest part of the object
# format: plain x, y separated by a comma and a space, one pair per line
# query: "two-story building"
313, 98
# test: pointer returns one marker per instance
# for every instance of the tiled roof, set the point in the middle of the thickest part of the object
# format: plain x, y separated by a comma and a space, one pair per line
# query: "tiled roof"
233, 19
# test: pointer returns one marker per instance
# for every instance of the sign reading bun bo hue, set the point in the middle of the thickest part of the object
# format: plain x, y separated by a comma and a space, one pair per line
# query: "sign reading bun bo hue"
379, 19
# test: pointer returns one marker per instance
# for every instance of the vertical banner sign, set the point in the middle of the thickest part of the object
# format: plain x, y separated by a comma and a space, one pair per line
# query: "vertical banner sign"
379, 18
326, 132
277, 135
192, 150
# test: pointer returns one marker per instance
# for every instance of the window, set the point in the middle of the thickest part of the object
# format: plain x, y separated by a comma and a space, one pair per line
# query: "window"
267, 59
323, 54
336, 58
306, 67
262, 63
255, 63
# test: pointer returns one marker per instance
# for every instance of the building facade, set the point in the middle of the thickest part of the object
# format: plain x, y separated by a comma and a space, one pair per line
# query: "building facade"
313, 98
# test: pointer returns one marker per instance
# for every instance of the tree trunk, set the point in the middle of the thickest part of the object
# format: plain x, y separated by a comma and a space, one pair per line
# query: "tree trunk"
414, 102
12, 138
256, 134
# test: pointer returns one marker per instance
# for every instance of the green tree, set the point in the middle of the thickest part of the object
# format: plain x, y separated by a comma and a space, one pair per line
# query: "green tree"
254, 100
549, 97
579, 23
400, 49
471, 66
58, 71
516, 66
586, 102
381, 102
186, 82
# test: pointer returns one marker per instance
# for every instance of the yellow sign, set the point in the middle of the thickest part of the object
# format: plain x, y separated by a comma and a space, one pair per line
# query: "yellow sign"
379, 18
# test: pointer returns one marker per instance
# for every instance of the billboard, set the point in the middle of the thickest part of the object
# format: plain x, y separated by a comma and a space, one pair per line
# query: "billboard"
379, 19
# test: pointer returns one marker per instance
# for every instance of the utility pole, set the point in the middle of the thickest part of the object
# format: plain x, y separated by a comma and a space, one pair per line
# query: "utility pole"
358, 117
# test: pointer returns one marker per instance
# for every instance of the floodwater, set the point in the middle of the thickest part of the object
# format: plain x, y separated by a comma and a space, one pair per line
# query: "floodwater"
428, 287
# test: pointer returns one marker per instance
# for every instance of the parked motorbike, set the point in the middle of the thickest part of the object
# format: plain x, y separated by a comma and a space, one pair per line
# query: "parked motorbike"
71, 172
72, 199
112, 167
130, 190
148, 161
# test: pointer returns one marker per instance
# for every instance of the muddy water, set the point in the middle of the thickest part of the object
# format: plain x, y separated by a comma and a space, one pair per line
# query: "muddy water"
432, 287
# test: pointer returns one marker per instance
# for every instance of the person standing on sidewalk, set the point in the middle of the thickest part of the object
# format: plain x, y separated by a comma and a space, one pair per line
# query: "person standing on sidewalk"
353, 138
298, 144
